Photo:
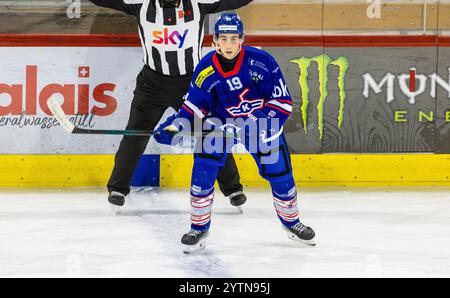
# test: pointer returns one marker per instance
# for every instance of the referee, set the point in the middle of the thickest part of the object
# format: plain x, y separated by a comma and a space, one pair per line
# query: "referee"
171, 33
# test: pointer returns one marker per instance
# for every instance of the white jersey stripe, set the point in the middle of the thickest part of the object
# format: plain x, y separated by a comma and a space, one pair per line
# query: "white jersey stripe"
194, 109
284, 106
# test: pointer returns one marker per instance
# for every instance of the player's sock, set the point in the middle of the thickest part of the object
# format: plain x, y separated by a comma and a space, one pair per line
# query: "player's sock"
202, 199
285, 202
202, 195
286, 205
201, 208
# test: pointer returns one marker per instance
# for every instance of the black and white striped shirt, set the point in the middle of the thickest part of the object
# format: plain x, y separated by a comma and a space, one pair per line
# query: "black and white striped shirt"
172, 38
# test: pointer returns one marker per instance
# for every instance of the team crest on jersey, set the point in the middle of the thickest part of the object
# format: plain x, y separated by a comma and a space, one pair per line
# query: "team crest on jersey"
203, 76
246, 106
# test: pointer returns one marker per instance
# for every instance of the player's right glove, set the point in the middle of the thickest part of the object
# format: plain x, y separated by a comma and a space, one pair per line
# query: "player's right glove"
165, 133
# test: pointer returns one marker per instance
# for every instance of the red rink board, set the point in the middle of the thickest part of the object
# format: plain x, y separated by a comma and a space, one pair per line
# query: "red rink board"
132, 40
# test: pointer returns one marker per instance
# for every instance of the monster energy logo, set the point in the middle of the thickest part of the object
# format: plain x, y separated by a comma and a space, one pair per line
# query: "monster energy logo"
323, 61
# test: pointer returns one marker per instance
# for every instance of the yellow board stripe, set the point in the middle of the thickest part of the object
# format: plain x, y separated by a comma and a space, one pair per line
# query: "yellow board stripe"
55, 170
352, 170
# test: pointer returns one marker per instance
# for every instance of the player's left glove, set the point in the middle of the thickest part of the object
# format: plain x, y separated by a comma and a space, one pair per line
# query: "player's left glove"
166, 132
267, 128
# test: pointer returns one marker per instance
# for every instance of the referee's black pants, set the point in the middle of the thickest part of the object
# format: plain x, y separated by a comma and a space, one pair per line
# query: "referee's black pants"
155, 93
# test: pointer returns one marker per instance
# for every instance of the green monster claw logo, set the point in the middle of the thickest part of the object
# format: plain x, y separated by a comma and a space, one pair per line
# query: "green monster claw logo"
323, 61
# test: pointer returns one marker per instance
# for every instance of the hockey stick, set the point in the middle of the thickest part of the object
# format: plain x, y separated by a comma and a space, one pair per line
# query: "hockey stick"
59, 114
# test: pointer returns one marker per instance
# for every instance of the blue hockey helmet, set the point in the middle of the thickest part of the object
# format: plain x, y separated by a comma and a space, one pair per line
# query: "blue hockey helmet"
229, 23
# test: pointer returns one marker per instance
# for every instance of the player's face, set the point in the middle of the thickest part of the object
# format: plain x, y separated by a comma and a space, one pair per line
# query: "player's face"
229, 45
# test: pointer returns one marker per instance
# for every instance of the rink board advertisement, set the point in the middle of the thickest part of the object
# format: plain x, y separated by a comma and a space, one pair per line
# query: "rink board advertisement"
95, 84
368, 100
359, 100
347, 99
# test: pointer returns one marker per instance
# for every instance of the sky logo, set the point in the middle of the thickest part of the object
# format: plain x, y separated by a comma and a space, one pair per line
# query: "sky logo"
174, 38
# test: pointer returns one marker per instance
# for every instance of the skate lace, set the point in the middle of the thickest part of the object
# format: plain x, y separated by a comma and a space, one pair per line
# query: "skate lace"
299, 227
194, 233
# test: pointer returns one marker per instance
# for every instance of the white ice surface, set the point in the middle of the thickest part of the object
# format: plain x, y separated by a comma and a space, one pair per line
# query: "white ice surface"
359, 234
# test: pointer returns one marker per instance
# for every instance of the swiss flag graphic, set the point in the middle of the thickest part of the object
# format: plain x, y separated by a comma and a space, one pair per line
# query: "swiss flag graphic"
83, 72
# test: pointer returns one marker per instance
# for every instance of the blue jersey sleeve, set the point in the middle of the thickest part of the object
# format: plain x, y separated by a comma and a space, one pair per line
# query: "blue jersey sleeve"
199, 99
278, 102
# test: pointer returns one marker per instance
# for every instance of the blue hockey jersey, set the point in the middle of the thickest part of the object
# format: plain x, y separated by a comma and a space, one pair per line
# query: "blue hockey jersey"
256, 83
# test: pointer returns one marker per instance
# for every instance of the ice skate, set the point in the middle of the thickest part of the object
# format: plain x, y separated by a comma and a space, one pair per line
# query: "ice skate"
238, 199
194, 241
117, 200
301, 233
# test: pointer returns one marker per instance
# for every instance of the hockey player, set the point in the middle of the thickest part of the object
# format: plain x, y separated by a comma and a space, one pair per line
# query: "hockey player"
238, 82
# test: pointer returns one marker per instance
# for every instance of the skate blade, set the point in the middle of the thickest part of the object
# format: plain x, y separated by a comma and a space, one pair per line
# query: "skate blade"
296, 239
192, 249
240, 210
115, 209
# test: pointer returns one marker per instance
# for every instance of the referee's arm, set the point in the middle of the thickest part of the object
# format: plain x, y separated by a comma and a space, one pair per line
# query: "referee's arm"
215, 6
131, 7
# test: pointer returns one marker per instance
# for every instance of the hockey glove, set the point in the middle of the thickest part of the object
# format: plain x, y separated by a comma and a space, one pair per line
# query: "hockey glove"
267, 128
166, 132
